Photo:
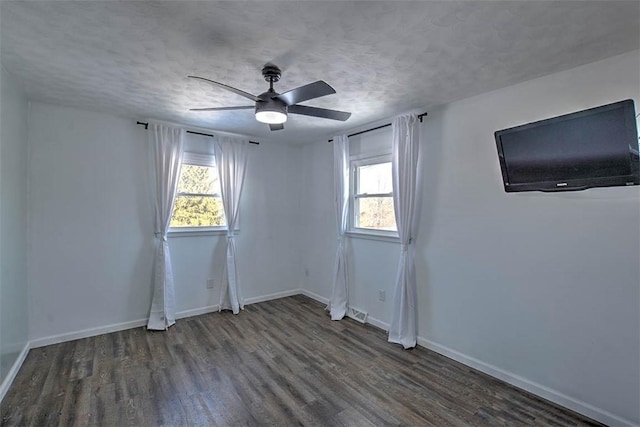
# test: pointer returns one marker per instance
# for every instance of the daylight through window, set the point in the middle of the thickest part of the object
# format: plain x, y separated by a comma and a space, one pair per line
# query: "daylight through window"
198, 202
372, 195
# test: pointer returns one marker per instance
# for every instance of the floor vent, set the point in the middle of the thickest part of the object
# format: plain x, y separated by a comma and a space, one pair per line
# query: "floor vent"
359, 315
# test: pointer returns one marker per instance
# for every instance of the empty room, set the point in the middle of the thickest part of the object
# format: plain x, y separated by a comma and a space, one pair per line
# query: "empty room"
328, 213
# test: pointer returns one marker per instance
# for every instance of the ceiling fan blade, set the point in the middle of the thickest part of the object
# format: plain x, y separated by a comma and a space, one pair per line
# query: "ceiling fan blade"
244, 107
319, 112
306, 92
229, 88
276, 127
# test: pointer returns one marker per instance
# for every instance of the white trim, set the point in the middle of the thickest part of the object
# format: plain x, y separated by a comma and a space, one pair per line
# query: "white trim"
370, 320
314, 296
197, 231
197, 311
202, 160
355, 162
528, 385
508, 377
115, 327
200, 231
270, 297
11, 375
378, 323
92, 332
374, 235
86, 333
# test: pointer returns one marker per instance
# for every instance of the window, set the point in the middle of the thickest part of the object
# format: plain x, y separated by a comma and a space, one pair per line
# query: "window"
371, 196
198, 203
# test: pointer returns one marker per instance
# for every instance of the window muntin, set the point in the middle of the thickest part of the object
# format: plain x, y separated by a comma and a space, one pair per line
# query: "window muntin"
198, 203
372, 196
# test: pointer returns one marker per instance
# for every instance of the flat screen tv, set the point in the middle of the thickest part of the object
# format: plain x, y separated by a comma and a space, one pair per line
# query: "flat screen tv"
597, 147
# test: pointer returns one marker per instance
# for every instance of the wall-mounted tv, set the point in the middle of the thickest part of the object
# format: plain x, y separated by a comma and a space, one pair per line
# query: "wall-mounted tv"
597, 147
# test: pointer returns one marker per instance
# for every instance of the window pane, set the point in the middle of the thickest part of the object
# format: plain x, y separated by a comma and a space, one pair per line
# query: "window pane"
197, 211
376, 213
374, 179
198, 180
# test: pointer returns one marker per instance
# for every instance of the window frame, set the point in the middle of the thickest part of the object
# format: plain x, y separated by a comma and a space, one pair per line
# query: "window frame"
205, 160
363, 232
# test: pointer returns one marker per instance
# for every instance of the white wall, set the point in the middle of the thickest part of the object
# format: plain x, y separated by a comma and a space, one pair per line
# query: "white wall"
320, 228
544, 286
91, 230
90, 251
13, 222
541, 289
267, 260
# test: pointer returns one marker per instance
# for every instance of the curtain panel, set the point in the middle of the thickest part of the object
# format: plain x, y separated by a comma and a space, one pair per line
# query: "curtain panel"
406, 192
166, 145
231, 159
339, 295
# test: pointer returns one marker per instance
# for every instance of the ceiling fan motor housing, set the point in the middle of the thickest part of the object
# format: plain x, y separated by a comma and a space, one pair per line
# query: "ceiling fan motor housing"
269, 109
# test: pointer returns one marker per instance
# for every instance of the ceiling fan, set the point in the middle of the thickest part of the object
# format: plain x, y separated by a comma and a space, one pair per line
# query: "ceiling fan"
272, 107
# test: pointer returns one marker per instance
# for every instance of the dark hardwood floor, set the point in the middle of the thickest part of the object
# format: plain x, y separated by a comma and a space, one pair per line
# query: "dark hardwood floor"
281, 362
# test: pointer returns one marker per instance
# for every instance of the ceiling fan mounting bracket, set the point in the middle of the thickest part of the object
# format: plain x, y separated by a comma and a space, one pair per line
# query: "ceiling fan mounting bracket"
271, 73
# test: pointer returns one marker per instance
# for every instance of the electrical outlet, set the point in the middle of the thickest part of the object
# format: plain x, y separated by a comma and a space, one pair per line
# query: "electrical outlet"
210, 284
381, 295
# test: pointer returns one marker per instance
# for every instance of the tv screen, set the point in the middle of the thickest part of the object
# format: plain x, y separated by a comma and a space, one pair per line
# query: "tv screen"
591, 148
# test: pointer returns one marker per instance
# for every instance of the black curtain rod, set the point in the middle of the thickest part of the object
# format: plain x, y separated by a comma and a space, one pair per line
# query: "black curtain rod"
146, 126
420, 116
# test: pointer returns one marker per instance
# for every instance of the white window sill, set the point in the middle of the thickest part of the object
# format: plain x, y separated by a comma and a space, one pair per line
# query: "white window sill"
197, 231
374, 235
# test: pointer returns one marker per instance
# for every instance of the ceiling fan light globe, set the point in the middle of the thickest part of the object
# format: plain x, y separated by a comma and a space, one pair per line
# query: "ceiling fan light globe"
271, 117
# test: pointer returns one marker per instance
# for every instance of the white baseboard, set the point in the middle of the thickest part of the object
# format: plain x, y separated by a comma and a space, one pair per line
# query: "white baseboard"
269, 297
508, 377
197, 311
11, 375
314, 296
86, 333
528, 385
371, 320
92, 332
378, 323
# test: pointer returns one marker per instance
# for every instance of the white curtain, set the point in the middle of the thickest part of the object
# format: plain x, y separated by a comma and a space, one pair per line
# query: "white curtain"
166, 147
338, 303
406, 195
231, 159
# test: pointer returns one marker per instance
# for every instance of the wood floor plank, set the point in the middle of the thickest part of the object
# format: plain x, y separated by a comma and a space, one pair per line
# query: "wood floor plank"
281, 362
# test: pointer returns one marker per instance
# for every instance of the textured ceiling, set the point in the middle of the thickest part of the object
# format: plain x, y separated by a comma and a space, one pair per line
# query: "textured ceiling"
131, 58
